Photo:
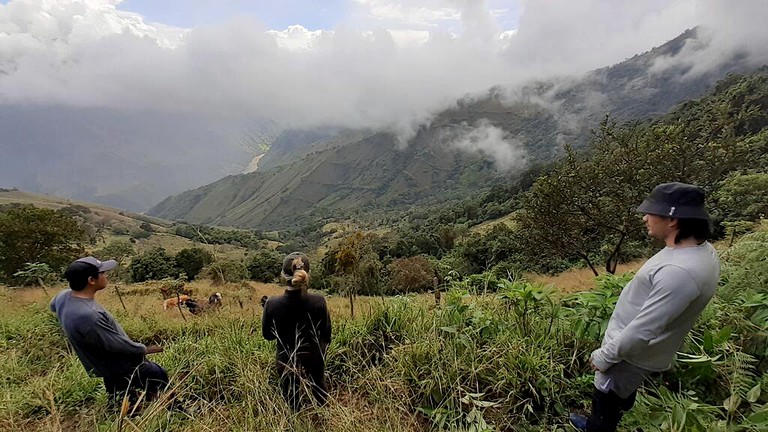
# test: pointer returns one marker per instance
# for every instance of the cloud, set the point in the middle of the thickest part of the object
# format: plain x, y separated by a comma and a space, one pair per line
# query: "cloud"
488, 140
423, 13
89, 54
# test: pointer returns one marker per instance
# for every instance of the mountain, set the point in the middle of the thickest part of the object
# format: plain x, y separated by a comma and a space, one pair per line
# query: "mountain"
307, 176
126, 159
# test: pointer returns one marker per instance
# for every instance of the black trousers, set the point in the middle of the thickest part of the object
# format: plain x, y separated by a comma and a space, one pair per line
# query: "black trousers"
607, 410
148, 376
293, 373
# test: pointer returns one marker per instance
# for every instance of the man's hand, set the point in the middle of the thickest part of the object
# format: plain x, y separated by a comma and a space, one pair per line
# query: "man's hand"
152, 349
594, 368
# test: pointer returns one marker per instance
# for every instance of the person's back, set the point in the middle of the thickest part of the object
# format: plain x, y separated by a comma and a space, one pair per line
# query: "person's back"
300, 323
98, 340
102, 346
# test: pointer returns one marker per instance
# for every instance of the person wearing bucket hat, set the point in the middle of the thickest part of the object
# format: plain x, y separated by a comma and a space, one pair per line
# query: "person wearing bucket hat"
658, 307
102, 346
301, 324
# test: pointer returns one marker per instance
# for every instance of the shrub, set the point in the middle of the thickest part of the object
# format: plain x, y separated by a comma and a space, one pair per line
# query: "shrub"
223, 271
191, 261
35, 235
154, 264
413, 274
264, 265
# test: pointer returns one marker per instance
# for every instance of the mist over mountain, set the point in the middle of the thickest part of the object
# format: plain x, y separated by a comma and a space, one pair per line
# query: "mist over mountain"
309, 175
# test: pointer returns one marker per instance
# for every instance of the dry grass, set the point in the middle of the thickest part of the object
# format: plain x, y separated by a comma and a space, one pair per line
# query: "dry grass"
577, 280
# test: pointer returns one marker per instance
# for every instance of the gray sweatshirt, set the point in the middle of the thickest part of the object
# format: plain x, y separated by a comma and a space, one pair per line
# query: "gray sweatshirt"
101, 344
658, 308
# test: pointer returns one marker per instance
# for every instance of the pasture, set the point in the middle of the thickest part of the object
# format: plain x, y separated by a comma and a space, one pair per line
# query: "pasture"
515, 359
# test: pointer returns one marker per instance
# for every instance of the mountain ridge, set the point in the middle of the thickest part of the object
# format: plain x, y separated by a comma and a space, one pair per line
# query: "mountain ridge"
347, 174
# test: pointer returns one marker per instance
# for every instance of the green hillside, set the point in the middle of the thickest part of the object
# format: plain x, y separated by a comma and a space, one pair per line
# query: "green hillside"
319, 176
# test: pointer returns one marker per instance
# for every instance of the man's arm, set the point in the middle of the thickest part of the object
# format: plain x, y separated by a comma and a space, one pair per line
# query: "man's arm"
672, 291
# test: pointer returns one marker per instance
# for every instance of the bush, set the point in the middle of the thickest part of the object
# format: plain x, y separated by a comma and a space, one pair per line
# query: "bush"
264, 265
154, 264
408, 275
191, 261
35, 235
223, 271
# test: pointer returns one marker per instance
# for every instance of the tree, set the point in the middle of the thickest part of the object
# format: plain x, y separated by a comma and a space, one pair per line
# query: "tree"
154, 264
223, 271
584, 207
412, 274
264, 265
191, 261
35, 274
743, 197
356, 259
36, 235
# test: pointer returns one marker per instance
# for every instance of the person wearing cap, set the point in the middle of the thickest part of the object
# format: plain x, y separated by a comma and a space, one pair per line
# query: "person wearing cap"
301, 324
102, 346
658, 307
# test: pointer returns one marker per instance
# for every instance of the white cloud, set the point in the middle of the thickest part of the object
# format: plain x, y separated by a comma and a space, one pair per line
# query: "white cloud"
88, 53
488, 140
417, 12
296, 37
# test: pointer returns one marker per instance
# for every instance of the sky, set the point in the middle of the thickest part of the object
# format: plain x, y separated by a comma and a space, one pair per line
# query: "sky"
357, 63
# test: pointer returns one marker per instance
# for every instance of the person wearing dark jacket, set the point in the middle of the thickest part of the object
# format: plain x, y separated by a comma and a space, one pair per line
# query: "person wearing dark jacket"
102, 346
300, 323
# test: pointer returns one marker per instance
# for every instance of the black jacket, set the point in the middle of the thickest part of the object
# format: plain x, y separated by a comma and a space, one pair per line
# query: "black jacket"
299, 321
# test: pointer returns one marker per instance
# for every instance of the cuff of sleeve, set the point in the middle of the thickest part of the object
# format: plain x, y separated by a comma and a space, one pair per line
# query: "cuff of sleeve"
599, 362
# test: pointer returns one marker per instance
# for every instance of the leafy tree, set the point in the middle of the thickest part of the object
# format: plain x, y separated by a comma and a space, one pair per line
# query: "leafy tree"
482, 251
191, 261
356, 259
35, 274
412, 274
154, 264
743, 197
117, 250
36, 235
223, 271
264, 265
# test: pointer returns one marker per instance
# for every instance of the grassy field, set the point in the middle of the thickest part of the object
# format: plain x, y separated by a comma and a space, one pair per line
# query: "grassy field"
513, 360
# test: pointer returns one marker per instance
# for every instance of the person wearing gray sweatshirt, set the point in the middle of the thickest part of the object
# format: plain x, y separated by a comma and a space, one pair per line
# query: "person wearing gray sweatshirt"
102, 346
658, 307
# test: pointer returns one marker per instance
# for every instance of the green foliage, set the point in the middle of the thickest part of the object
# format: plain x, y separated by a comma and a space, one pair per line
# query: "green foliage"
357, 262
743, 197
34, 274
409, 275
154, 264
36, 235
211, 235
191, 261
482, 251
117, 250
264, 265
226, 270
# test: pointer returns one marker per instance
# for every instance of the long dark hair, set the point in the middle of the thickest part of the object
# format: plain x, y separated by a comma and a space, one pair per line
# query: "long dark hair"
697, 228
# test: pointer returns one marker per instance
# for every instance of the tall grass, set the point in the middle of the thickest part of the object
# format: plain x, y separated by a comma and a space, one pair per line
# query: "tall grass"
514, 359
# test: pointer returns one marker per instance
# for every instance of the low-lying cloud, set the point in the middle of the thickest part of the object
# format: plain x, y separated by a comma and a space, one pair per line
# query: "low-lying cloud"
90, 54
485, 139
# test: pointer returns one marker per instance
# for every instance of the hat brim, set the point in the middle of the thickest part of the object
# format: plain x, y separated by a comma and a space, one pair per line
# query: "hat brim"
107, 265
650, 206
